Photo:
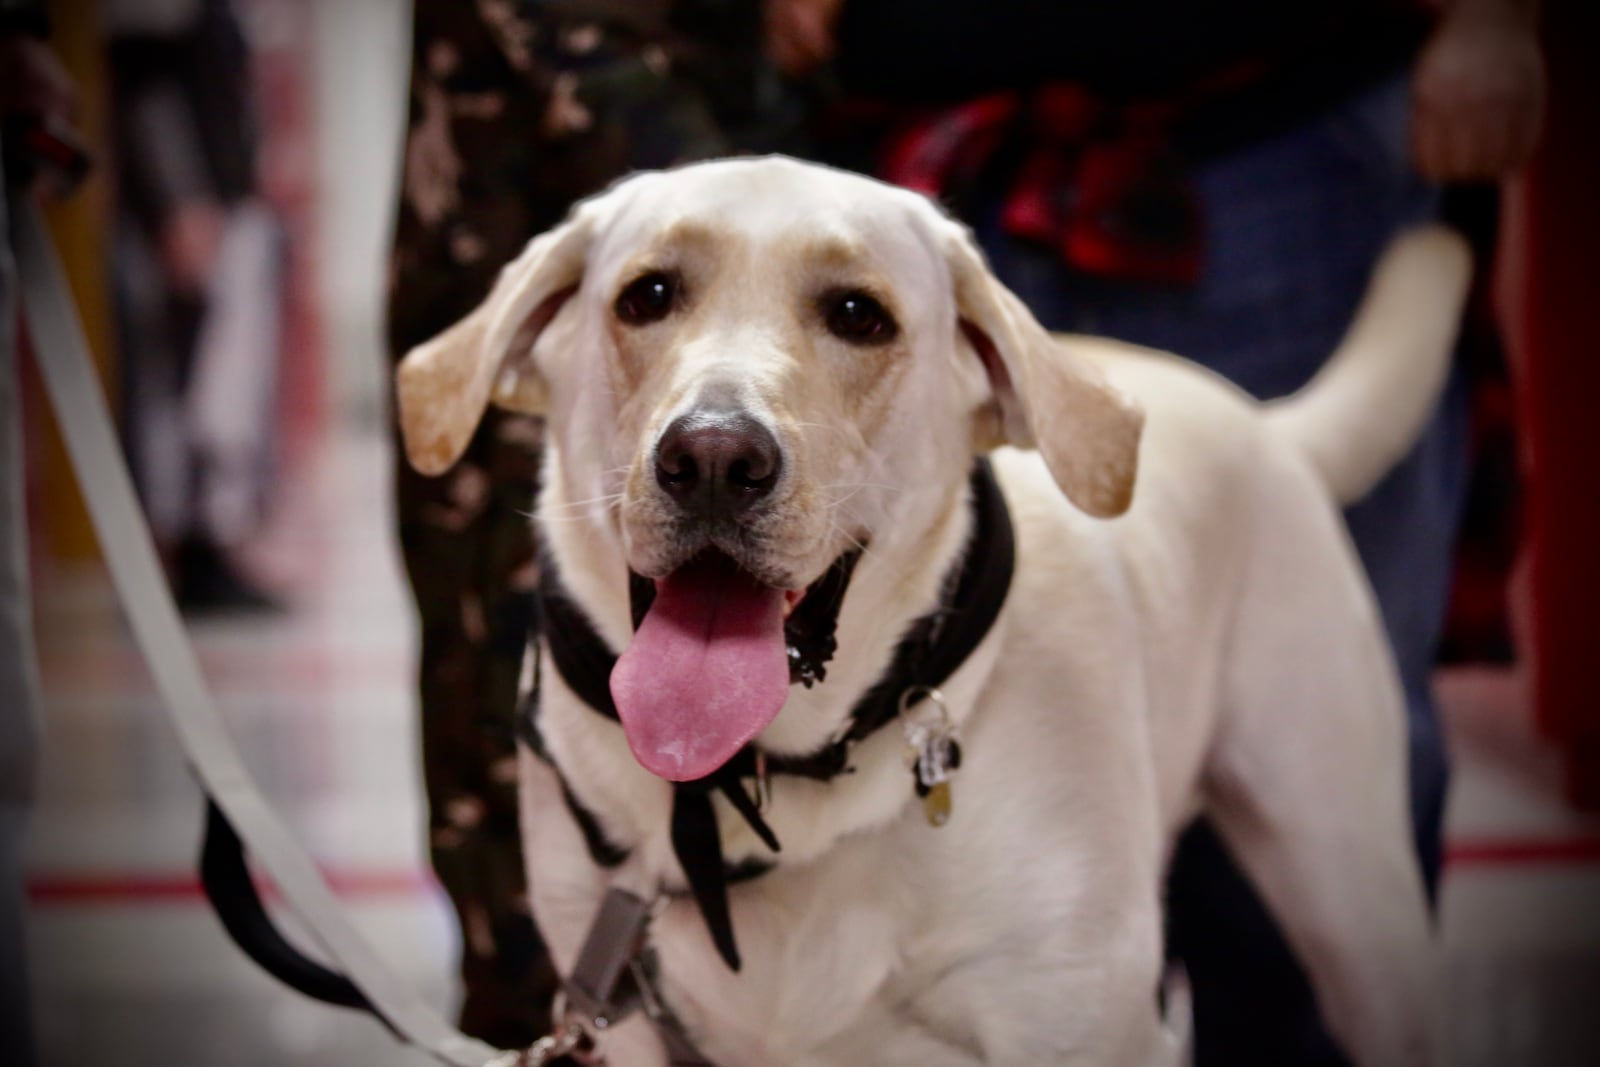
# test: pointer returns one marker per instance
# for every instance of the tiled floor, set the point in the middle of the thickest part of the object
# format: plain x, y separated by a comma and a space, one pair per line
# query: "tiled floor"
130, 967
132, 970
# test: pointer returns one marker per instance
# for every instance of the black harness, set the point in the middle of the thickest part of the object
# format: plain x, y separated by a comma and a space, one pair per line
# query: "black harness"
933, 648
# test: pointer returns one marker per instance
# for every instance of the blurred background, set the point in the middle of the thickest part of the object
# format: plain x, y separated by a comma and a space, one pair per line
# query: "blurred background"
231, 262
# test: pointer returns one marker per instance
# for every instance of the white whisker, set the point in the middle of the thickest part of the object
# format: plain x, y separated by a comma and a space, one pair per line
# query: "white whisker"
608, 499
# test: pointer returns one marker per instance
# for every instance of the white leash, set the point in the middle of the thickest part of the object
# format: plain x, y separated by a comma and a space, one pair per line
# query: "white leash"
80, 408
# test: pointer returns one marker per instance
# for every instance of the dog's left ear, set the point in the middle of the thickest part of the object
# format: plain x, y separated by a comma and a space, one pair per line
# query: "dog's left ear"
1045, 396
443, 385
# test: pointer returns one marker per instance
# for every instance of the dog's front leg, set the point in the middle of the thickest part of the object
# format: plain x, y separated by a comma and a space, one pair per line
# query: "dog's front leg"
1055, 1000
633, 1044
1100, 1014
900, 1042
886, 1038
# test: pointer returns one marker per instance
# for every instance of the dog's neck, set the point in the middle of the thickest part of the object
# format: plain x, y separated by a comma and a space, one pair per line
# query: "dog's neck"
902, 632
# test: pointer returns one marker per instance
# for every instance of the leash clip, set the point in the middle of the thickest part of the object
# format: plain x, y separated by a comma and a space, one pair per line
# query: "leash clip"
572, 1039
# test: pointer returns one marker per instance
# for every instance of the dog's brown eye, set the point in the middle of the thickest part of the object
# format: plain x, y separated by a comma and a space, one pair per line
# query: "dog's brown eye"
648, 298
854, 316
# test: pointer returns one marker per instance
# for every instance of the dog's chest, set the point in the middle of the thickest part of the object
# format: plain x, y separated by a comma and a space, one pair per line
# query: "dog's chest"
827, 947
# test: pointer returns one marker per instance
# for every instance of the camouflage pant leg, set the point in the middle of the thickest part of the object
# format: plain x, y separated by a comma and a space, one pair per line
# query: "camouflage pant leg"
468, 552
469, 200
518, 108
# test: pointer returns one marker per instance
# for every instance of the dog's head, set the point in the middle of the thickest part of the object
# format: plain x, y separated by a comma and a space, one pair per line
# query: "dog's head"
751, 363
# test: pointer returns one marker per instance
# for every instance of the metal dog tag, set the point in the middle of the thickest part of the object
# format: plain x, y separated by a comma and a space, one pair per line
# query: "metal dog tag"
932, 751
936, 805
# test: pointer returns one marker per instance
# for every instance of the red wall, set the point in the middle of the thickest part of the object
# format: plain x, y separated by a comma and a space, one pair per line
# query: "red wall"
1553, 304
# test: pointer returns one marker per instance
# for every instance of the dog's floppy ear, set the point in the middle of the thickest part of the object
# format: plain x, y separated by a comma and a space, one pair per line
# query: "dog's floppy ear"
1044, 395
443, 385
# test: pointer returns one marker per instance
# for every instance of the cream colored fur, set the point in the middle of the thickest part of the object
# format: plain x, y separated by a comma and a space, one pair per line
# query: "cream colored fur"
1188, 628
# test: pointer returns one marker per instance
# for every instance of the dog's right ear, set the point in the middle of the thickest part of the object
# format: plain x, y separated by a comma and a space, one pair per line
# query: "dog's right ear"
443, 386
1044, 395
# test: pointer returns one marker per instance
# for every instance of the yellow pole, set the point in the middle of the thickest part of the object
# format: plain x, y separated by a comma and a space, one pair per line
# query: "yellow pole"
81, 228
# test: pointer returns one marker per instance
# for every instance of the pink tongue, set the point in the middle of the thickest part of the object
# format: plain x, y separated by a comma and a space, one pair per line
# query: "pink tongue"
706, 671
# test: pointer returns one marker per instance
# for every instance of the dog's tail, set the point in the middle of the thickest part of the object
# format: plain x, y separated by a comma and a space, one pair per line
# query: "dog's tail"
1368, 404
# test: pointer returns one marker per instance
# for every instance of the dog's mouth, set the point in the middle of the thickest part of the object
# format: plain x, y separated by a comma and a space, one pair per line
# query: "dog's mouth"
713, 654
707, 669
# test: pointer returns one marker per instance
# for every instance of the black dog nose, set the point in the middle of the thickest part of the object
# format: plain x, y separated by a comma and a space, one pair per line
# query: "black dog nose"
717, 463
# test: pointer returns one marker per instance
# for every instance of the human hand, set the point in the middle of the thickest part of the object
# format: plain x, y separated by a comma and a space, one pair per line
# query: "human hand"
1478, 92
800, 34
33, 82
38, 105
190, 238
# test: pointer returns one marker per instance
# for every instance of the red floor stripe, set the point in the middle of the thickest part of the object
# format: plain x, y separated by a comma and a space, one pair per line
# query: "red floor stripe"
1513, 852
183, 888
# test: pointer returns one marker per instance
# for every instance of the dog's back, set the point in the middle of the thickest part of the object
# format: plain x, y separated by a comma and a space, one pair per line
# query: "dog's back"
1219, 470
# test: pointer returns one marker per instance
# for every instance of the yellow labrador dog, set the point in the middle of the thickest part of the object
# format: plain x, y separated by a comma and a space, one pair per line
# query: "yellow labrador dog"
766, 386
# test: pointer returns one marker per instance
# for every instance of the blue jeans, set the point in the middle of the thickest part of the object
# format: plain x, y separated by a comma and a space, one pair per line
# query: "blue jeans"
1294, 226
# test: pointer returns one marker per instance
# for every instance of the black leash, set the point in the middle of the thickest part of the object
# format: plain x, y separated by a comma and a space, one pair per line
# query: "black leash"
234, 897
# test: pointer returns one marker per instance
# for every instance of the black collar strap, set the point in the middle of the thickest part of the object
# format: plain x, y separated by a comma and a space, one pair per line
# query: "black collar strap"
933, 648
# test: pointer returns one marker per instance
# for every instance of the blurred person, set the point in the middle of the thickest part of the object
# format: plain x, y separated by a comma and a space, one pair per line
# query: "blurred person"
33, 87
198, 263
1215, 179
517, 109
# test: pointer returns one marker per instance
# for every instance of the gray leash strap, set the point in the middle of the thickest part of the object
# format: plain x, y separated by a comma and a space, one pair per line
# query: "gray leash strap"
596, 989
612, 978
74, 392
